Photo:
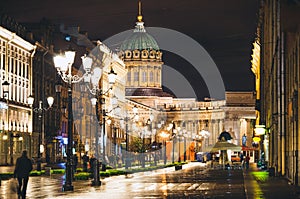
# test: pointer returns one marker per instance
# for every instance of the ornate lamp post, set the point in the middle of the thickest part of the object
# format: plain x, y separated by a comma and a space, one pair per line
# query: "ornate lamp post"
40, 110
184, 145
5, 137
165, 136
204, 134
98, 93
63, 64
5, 86
173, 137
127, 118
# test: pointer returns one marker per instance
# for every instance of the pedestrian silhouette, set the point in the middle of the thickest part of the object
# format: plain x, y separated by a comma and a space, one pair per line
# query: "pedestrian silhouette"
247, 160
85, 159
22, 170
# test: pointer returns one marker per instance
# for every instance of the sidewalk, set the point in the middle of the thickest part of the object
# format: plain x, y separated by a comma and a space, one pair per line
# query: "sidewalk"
5, 169
258, 184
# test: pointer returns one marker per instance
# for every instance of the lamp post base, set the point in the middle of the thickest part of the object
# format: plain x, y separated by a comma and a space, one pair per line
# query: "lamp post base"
103, 167
38, 165
96, 181
67, 187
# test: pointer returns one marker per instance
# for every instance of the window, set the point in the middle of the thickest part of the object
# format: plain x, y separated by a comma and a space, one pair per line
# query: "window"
136, 76
3, 62
144, 76
151, 76
128, 76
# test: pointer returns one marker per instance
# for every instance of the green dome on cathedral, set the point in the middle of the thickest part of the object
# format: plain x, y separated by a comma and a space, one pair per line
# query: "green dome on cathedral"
139, 40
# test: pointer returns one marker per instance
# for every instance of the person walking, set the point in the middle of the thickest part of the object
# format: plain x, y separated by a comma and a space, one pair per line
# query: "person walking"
247, 160
21, 172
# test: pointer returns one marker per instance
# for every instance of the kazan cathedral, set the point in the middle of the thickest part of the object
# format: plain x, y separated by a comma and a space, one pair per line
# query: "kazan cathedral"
183, 126
152, 121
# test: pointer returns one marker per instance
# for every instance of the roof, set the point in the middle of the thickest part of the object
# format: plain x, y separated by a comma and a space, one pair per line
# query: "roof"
139, 40
147, 92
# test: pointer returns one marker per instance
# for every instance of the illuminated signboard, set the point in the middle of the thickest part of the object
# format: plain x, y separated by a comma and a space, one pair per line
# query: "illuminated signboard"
260, 129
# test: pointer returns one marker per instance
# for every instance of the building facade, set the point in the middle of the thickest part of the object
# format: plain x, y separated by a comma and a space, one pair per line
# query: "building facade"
278, 38
16, 57
189, 126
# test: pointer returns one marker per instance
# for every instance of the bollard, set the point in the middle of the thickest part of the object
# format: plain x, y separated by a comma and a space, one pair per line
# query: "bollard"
103, 168
96, 181
272, 171
48, 171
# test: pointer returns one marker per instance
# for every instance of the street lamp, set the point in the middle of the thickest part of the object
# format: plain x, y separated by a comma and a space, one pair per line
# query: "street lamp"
127, 118
5, 86
184, 144
172, 125
204, 134
5, 137
97, 91
63, 65
165, 136
40, 110
150, 120
179, 136
143, 135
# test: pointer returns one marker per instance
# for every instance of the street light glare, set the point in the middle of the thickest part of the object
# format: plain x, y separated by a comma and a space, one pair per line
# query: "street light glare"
93, 101
70, 56
60, 63
50, 101
87, 63
112, 76
96, 75
30, 100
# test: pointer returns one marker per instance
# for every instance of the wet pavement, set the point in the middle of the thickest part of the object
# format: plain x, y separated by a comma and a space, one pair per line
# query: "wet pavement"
195, 180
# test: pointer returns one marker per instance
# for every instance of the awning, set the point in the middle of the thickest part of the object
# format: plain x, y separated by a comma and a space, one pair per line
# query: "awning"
224, 145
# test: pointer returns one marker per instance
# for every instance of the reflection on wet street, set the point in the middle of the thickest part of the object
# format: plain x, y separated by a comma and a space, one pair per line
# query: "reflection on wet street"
194, 181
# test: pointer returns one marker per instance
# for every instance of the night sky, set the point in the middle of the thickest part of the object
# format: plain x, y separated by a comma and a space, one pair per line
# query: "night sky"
226, 30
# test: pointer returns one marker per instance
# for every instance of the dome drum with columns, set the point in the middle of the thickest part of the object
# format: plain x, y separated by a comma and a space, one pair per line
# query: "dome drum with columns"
143, 59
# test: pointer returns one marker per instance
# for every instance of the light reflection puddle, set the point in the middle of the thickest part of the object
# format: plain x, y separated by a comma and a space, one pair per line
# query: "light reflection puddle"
151, 187
193, 187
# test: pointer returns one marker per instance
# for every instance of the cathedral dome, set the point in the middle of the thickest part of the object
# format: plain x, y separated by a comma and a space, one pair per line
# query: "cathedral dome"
139, 41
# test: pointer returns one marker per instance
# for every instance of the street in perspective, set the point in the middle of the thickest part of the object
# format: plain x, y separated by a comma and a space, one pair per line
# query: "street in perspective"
136, 99
194, 180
